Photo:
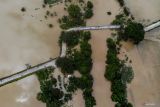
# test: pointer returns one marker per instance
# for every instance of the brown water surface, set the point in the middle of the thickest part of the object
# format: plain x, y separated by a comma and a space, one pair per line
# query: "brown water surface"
25, 38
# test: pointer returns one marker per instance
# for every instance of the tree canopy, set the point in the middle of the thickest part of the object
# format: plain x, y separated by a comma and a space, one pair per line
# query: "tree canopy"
66, 64
74, 11
70, 38
89, 4
134, 31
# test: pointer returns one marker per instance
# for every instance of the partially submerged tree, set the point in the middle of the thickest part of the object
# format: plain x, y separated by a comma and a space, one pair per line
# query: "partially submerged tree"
89, 4
66, 64
70, 38
134, 31
74, 11
127, 74
88, 13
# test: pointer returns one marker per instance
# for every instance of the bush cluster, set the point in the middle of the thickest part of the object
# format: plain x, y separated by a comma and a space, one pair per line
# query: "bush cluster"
70, 38
119, 75
88, 10
134, 31
74, 19
50, 1
83, 62
48, 94
66, 64
79, 60
130, 30
121, 2
84, 83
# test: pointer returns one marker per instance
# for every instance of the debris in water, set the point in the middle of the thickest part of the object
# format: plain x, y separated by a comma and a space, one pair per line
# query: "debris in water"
50, 25
109, 13
23, 9
43, 5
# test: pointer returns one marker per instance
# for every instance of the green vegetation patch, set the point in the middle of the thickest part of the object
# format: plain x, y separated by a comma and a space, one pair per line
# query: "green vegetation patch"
76, 59
50, 94
51, 1
118, 74
134, 31
130, 30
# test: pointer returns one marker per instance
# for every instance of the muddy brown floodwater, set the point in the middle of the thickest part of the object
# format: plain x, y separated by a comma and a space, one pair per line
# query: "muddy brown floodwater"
25, 38
145, 88
101, 87
145, 11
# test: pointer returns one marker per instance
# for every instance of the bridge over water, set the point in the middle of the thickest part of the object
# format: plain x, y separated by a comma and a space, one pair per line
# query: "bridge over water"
52, 62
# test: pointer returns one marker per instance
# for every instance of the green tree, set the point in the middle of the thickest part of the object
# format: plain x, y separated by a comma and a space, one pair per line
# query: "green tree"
86, 36
66, 64
134, 31
111, 44
127, 74
124, 104
111, 72
74, 11
88, 13
70, 38
89, 4
121, 2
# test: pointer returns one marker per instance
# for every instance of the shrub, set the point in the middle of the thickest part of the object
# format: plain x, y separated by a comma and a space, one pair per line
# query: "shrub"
72, 84
88, 13
67, 65
70, 38
119, 97
124, 104
111, 72
89, 99
127, 74
50, 1
43, 74
120, 20
112, 58
111, 44
118, 86
74, 11
85, 82
119, 75
126, 11
72, 22
121, 2
86, 36
49, 94
89, 5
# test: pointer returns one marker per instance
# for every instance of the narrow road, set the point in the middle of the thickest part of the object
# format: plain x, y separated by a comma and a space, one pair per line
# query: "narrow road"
152, 26
94, 28
51, 63
34, 69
